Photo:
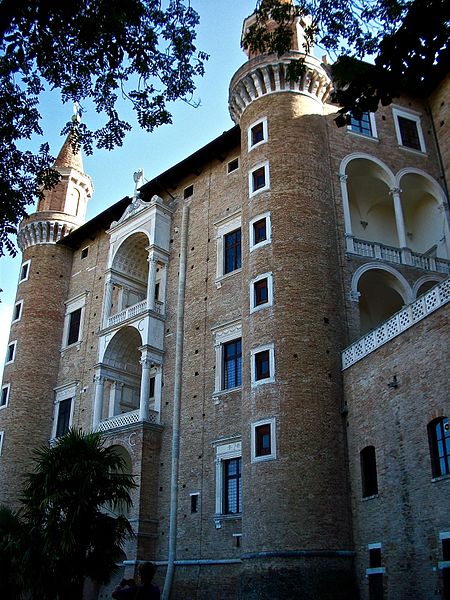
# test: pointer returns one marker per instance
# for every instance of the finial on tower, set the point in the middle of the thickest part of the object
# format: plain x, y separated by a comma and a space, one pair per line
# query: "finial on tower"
138, 182
76, 117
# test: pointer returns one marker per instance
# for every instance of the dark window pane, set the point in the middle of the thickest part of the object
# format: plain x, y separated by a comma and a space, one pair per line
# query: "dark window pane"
376, 587
74, 326
439, 439
261, 292
262, 365
17, 310
446, 549
84, 253
194, 503
369, 472
262, 440
232, 486
259, 231
257, 133
233, 165
4, 396
188, 191
63, 423
157, 291
24, 271
10, 353
259, 179
232, 364
375, 558
152, 387
232, 251
362, 125
409, 133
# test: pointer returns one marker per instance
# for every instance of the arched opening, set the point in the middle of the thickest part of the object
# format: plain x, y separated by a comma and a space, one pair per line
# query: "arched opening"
424, 215
425, 286
380, 296
129, 273
371, 207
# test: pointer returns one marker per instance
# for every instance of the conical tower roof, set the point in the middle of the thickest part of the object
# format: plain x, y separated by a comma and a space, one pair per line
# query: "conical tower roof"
67, 158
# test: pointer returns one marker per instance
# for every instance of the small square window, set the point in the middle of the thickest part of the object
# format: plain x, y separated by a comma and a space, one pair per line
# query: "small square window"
257, 133
11, 352
17, 314
233, 165
5, 396
84, 253
24, 271
260, 231
188, 191
232, 251
262, 440
261, 294
263, 365
259, 179
263, 443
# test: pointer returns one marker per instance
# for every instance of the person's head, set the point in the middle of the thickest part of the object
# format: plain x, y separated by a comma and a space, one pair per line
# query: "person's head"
146, 571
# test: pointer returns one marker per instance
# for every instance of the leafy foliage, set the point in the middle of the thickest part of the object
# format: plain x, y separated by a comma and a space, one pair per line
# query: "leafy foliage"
64, 531
408, 39
101, 51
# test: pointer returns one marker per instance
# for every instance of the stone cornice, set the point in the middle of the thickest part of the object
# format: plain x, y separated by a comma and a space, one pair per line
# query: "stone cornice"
266, 74
43, 231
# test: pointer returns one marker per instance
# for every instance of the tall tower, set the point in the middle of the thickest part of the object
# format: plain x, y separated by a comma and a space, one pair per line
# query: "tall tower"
296, 537
36, 331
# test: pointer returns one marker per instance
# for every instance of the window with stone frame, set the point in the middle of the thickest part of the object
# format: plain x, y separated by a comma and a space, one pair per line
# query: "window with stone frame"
228, 459
259, 179
63, 417
408, 129
232, 251
261, 292
17, 313
257, 133
73, 320
4, 398
63, 409
24, 271
439, 441
260, 231
232, 364
262, 365
229, 251
11, 352
263, 440
364, 126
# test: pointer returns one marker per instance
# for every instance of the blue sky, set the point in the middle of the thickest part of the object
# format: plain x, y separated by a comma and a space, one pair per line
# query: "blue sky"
112, 172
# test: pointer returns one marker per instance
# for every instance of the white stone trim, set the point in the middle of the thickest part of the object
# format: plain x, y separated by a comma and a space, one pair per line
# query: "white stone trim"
7, 387
63, 392
404, 291
268, 239
265, 166
374, 546
273, 440
19, 304
222, 334
375, 571
75, 303
224, 452
253, 307
223, 227
24, 264
263, 121
400, 111
13, 343
444, 535
253, 353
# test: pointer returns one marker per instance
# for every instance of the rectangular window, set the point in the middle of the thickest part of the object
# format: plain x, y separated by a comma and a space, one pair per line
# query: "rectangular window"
74, 326
263, 440
369, 472
152, 387
263, 365
260, 231
17, 314
24, 271
63, 419
232, 251
364, 126
408, 129
5, 396
84, 253
233, 165
257, 133
232, 486
11, 352
261, 292
258, 179
376, 586
2, 435
188, 191
374, 557
194, 503
232, 364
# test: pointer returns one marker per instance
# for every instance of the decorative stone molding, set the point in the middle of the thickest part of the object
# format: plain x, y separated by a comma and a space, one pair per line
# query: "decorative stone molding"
267, 74
47, 231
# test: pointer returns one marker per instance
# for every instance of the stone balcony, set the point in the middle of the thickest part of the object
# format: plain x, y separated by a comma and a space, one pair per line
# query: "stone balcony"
134, 311
127, 418
403, 256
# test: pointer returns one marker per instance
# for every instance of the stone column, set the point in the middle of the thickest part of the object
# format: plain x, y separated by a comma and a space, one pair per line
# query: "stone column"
115, 396
400, 224
152, 264
146, 364
162, 286
99, 382
108, 301
347, 216
158, 390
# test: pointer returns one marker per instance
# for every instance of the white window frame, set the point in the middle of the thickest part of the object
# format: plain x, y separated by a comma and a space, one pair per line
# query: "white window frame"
250, 146
20, 304
223, 227
7, 387
222, 334
72, 305
224, 451
63, 392
268, 239
237, 168
373, 127
253, 307
2, 435
253, 353
24, 264
14, 344
398, 111
265, 166
273, 440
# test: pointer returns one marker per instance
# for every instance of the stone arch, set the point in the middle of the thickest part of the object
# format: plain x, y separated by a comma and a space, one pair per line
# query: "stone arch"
425, 283
382, 291
369, 212
423, 203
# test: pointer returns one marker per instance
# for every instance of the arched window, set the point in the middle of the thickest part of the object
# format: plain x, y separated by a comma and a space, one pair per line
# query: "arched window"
439, 438
369, 472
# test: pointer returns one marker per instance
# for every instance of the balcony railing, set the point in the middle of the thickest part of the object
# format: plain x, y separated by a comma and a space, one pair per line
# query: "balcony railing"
405, 318
128, 418
134, 311
398, 256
